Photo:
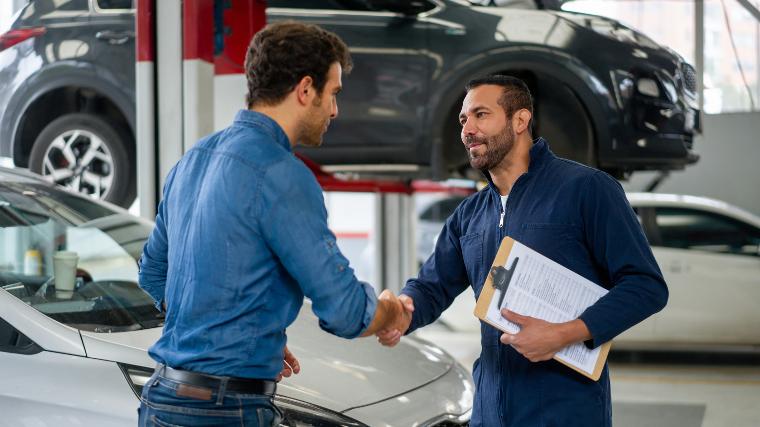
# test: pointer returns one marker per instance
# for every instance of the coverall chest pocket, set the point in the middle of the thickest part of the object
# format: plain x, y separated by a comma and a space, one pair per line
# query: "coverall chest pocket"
556, 241
472, 255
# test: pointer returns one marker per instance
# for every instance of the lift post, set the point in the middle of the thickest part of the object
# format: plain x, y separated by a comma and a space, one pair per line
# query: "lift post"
177, 69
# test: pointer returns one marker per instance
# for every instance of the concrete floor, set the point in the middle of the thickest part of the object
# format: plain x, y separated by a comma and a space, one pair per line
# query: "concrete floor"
661, 389
676, 395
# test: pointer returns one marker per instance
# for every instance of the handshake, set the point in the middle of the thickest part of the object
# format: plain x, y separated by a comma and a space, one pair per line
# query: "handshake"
392, 318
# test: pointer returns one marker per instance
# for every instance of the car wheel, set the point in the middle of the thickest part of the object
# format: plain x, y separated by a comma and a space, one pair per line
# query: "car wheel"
562, 119
85, 153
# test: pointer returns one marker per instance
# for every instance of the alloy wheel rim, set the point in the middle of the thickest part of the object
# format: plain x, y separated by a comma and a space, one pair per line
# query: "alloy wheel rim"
80, 160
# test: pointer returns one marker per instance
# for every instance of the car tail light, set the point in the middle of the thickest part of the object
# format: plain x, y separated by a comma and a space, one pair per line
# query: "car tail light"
16, 36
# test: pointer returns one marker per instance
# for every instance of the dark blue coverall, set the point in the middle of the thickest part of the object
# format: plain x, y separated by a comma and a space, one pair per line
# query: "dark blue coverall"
578, 217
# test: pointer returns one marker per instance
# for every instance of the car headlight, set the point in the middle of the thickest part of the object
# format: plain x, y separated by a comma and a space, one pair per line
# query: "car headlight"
649, 87
449, 420
137, 376
623, 84
302, 414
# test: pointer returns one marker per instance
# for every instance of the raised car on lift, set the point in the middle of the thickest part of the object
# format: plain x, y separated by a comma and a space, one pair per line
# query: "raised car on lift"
605, 95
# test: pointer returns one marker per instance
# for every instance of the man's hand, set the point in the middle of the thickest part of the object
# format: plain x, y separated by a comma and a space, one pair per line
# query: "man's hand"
391, 314
539, 340
391, 335
290, 365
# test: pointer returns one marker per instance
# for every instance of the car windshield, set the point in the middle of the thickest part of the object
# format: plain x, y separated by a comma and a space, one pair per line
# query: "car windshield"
73, 259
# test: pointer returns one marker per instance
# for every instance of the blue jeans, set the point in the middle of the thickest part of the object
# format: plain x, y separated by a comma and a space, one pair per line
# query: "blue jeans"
163, 408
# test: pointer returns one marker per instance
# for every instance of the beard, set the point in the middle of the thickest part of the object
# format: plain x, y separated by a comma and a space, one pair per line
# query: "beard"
314, 125
497, 147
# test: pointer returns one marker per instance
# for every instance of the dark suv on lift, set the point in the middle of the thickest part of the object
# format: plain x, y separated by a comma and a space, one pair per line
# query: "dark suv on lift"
605, 95
67, 94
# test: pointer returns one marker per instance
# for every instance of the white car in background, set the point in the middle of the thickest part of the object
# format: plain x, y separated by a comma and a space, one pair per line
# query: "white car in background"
709, 253
80, 359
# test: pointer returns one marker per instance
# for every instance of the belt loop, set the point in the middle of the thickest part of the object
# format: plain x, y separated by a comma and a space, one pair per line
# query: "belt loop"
222, 391
159, 372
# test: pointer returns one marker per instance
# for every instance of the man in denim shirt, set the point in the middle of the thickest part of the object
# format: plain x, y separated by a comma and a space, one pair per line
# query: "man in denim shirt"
573, 214
241, 237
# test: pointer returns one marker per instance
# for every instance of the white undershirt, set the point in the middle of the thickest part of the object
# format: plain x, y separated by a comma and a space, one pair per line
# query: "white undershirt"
504, 202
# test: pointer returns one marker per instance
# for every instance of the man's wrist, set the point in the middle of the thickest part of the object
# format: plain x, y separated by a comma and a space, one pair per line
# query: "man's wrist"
385, 315
574, 331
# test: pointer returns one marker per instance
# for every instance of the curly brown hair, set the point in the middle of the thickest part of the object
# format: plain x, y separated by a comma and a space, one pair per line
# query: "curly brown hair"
283, 53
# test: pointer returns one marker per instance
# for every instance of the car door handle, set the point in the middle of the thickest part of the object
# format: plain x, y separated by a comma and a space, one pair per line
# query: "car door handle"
115, 37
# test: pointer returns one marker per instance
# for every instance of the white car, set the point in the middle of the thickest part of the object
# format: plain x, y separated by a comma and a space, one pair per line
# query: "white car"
79, 358
709, 253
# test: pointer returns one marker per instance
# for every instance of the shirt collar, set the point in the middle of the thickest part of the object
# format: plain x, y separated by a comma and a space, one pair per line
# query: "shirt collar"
540, 154
265, 123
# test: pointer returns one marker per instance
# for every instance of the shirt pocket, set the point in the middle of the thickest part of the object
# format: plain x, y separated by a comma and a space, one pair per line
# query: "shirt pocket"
472, 255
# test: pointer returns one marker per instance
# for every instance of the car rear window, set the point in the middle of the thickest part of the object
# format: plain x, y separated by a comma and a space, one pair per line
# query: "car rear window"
116, 4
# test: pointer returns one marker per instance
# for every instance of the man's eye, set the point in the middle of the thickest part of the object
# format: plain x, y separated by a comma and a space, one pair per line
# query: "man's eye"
480, 115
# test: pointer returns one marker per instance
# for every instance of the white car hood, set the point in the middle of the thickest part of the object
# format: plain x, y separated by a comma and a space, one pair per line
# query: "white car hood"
336, 373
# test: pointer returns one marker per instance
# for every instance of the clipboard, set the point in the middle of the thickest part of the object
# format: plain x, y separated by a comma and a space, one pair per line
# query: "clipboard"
505, 275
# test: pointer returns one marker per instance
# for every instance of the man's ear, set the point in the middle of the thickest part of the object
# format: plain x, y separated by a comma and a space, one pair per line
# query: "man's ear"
521, 121
305, 90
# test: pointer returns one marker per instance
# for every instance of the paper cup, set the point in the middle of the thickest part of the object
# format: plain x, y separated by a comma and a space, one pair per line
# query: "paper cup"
65, 270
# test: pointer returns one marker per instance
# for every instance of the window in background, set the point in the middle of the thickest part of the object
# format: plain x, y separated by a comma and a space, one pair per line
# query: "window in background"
351, 216
731, 76
732, 55
655, 18
706, 231
6, 15
115, 4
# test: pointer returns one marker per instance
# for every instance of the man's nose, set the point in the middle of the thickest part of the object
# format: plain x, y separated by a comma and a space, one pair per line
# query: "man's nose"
334, 111
468, 128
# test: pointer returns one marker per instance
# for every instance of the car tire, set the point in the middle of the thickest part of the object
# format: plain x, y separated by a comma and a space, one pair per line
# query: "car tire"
86, 154
562, 119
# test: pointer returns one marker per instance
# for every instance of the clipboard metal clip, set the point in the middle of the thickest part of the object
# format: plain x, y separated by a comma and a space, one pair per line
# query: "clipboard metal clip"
501, 277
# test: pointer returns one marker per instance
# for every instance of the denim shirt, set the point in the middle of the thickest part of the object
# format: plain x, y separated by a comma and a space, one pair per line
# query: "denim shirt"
578, 217
241, 237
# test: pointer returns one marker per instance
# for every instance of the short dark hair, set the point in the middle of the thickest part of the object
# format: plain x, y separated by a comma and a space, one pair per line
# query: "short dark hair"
515, 95
283, 53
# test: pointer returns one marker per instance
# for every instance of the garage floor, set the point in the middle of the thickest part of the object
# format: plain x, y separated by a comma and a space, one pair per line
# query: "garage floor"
677, 395
662, 389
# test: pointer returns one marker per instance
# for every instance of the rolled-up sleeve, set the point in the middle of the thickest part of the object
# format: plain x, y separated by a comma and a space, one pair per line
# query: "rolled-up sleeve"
293, 220
622, 253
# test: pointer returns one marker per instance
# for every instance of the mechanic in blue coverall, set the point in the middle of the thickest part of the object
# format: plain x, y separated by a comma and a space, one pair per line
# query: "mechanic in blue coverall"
241, 237
573, 214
